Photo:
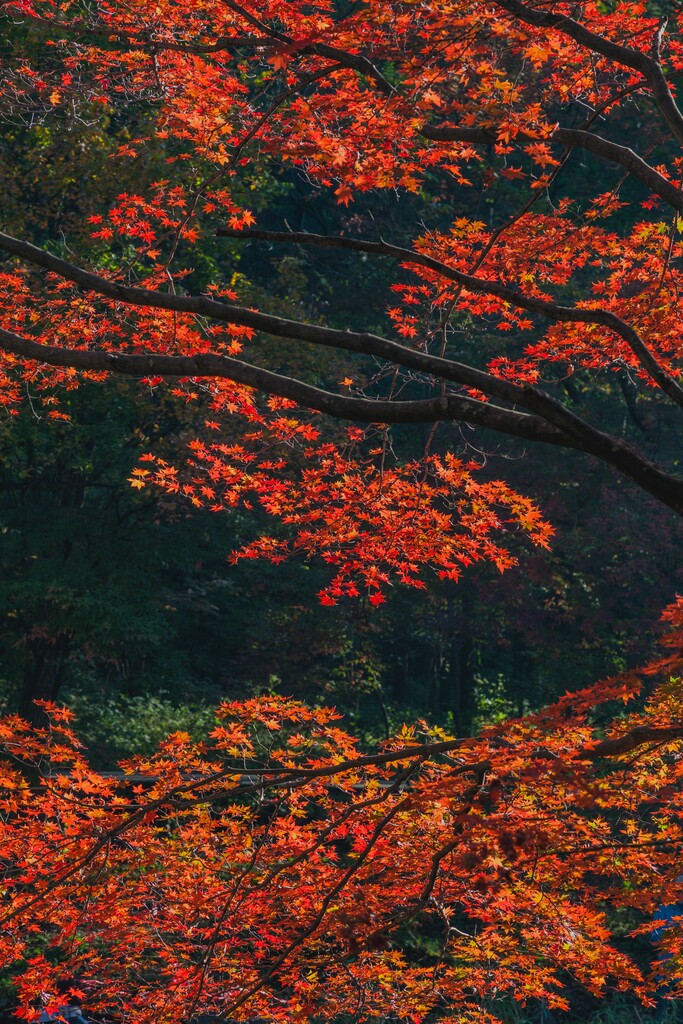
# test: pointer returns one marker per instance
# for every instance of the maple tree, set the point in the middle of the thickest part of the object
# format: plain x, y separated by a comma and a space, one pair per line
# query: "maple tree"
379, 97
272, 869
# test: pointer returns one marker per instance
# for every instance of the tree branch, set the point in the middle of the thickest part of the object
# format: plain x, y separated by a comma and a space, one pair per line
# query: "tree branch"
637, 737
570, 137
359, 410
549, 310
364, 343
627, 56
553, 424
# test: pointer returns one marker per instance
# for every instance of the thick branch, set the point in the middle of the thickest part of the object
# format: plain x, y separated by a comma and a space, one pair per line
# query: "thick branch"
626, 158
364, 343
257, 779
360, 410
453, 133
553, 425
274, 42
349, 341
355, 62
453, 408
630, 741
637, 737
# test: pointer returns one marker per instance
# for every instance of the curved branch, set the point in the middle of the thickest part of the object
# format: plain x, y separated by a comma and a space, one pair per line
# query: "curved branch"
349, 341
549, 310
548, 421
359, 410
278, 42
273, 41
365, 343
637, 737
104, 36
573, 433
571, 137
570, 426
355, 62
453, 133
626, 158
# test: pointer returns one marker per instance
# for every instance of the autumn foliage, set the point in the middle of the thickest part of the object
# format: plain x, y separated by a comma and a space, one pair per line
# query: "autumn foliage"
459, 100
276, 870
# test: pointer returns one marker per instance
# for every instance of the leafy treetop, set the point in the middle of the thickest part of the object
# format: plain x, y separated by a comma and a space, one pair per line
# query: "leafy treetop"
467, 97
